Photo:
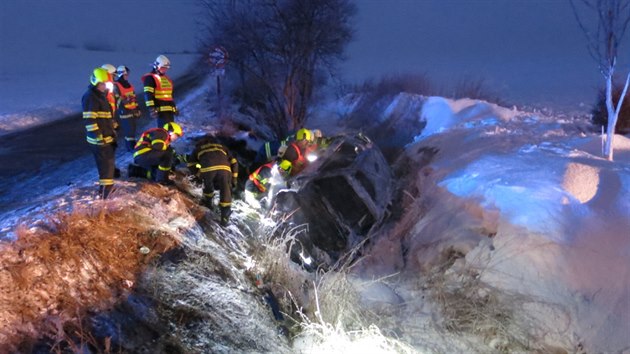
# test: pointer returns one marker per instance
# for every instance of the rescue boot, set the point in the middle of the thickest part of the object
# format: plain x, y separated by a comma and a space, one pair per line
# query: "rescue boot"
134, 170
207, 202
105, 191
167, 182
225, 216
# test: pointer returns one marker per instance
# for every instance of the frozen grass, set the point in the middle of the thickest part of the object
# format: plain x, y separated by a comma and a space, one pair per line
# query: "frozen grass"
74, 263
323, 308
498, 317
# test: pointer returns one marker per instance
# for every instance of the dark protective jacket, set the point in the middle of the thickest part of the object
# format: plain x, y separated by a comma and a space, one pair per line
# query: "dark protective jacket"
269, 151
158, 92
98, 117
210, 156
152, 139
296, 154
154, 153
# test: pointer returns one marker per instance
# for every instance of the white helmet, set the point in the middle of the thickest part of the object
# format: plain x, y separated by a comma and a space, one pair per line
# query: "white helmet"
109, 67
122, 70
162, 62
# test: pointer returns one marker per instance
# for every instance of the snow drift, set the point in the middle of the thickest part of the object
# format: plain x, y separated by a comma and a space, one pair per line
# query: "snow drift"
526, 204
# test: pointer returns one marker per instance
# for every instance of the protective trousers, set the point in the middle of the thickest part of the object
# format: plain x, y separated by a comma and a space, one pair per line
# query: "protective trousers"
164, 117
221, 180
129, 126
105, 157
159, 162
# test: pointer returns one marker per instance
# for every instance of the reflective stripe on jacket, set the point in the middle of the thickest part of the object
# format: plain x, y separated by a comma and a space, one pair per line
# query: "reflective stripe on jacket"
261, 176
97, 117
152, 139
212, 157
126, 97
158, 92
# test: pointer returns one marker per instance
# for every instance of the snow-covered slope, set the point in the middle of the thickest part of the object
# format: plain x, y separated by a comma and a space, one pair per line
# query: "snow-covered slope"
525, 202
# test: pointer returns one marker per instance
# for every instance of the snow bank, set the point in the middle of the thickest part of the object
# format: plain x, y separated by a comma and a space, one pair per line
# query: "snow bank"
533, 207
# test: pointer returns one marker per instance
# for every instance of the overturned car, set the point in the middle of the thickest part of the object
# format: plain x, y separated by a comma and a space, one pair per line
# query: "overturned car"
339, 198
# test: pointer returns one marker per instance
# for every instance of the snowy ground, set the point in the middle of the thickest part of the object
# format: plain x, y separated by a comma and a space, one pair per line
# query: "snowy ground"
520, 201
524, 200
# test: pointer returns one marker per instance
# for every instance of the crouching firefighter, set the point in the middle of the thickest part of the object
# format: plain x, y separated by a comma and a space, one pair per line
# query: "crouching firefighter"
218, 169
258, 185
153, 156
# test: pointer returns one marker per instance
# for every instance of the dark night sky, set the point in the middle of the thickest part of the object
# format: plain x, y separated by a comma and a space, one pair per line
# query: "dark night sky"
528, 51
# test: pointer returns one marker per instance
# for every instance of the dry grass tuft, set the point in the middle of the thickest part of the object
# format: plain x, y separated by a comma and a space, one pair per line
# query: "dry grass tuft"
471, 306
324, 309
70, 265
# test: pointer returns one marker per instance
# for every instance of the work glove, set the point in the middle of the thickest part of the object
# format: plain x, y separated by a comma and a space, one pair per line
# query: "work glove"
181, 158
136, 113
153, 112
177, 159
281, 150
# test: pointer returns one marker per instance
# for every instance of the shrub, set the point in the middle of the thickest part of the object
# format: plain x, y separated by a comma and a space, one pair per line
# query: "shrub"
475, 89
394, 84
600, 114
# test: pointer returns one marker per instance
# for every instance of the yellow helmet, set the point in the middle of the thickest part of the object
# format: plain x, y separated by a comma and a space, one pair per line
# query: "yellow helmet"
286, 166
99, 75
174, 128
304, 134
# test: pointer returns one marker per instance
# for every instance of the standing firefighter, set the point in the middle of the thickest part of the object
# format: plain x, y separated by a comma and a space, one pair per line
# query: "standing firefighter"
154, 154
158, 92
99, 124
219, 170
111, 71
127, 104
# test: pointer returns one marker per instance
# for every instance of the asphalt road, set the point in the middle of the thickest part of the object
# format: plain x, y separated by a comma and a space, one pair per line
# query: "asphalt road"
27, 151
33, 151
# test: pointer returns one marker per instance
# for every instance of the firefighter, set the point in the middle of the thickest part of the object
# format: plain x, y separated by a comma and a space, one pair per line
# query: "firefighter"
320, 141
99, 124
158, 92
111, 71
259, 181
298, 151
154, 154
269, 152
128, 111
218, 169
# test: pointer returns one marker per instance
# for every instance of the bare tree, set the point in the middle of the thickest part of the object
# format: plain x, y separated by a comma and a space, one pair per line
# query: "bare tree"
279, 47
609, 21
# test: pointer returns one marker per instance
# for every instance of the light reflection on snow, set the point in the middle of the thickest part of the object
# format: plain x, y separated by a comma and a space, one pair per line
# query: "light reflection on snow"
524, 192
